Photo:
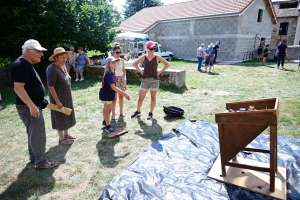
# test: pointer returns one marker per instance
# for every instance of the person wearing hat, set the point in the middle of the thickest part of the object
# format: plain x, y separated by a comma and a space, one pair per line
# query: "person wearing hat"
71, 63
150, 78
201, 55
30, 102
59, 84
108, 91
217, 48
82, 61
281, 53
210, 52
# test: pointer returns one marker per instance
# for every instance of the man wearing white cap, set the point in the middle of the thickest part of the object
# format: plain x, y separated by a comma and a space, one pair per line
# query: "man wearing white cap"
30, 101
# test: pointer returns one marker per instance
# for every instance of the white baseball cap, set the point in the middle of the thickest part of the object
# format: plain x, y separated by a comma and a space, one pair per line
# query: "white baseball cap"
33, 44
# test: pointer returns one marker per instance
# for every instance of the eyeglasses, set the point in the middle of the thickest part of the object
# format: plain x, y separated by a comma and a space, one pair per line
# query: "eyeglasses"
152, 49
38, 51
118, 52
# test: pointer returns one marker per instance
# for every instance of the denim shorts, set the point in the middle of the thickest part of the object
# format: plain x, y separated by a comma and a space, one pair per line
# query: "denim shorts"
79, 68
149, 83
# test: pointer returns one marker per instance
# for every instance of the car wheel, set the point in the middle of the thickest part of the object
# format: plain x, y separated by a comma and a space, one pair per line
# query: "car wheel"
170, 57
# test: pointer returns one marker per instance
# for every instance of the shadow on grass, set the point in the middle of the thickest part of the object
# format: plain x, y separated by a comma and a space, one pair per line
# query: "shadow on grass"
169, 118
34, 183
106, 151
152, 132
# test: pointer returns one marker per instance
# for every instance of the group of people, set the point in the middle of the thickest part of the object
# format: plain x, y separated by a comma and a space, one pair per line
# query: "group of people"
30, 92
77, 62
207, 55
114, 81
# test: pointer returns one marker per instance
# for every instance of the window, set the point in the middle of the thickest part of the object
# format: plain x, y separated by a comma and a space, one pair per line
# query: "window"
283, 30
289, 4
260, 15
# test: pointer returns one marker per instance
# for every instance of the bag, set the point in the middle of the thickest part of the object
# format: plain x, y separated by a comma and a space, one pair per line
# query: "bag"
173, 111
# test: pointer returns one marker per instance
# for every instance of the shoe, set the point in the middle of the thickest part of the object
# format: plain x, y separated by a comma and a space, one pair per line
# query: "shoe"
135, 114
104, 123
81, 79
122, 115
76, 79
277, 67
113, 117
65, 142
109, 129
70, 137
150, 116
48, 165
282, 68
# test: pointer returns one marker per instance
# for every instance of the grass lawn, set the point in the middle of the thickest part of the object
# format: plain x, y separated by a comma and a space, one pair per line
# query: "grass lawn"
93, 160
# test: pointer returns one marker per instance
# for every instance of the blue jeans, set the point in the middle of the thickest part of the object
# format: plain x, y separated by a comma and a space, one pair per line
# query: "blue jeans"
36, 134
200, 59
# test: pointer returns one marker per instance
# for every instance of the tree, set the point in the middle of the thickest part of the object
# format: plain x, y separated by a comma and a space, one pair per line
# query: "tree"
133, 6
87, 23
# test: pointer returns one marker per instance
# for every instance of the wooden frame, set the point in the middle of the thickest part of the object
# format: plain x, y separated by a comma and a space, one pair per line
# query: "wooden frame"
238, 127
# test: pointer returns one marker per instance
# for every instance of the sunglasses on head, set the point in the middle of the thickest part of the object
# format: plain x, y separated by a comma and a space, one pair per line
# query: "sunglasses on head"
118, 52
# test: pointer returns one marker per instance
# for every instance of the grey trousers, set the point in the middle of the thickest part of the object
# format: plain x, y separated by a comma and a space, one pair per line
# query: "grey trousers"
36, 134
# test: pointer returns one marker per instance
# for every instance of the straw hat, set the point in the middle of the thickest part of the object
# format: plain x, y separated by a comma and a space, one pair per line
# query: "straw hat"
57, 51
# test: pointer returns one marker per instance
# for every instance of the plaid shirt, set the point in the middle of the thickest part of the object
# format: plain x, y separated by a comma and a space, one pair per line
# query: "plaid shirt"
72, 59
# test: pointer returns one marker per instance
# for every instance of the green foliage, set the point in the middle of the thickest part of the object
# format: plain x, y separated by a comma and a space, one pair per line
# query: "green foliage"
133, 6
87, 23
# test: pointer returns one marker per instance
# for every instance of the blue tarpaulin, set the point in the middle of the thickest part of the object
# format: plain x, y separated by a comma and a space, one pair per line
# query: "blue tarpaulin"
176, 167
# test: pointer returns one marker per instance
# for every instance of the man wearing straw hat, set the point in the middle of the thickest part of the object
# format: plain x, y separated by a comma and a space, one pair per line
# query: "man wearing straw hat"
30, 102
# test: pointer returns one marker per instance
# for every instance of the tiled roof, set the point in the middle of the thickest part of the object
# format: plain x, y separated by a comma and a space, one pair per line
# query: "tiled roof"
147, 17
286, 12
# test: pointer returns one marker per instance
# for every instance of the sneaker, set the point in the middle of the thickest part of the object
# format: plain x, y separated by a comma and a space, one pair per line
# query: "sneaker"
77, 79
136, 113
150, 116
122, 114
113, 117
104, 123
81, 79
277, 67
109, 129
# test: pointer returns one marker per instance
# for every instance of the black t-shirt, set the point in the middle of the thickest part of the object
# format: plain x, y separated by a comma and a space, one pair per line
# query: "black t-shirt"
281, 50
23, 72
216, 48
266, 52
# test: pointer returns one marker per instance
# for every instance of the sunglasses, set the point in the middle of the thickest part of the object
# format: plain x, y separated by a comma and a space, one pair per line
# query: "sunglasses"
118, 52
152, 49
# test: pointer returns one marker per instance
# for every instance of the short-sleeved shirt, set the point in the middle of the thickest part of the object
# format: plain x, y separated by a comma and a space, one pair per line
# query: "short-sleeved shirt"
23, 72
210, 52
106, 93
200, 52
266, 52
216, 48
81, 59
281, 50
72, 59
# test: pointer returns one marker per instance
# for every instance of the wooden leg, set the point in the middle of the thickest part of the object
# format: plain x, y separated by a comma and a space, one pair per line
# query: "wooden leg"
273, 157
222, 151
234, 158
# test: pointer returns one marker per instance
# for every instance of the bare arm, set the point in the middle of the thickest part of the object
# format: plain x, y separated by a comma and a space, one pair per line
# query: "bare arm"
55, 97
88, 59
123, 68
20, 91
135, 64
163, 61
119, 91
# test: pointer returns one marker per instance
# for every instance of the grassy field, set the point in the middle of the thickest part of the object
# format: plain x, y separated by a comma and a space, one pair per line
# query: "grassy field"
93, 160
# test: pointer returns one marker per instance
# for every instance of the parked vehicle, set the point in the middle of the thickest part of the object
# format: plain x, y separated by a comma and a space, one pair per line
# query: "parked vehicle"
138, 49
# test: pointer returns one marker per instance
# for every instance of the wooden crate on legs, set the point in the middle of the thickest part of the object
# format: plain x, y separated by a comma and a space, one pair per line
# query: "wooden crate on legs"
238, 126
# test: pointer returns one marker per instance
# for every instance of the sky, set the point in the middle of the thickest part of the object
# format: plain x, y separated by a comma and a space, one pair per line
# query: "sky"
119, 3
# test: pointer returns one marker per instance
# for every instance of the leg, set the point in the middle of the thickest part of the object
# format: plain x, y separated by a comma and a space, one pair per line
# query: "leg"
121, 103
153, 94
142, 96
77, 74
113, 107
282, 62
106, 113
67, 136
62, 138
81, 75
199, 63
278, 61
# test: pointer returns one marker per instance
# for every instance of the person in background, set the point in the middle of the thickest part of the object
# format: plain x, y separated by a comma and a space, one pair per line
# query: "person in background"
150, 78
108, 91
59, 84
120, 74
217, 48
281, 53
30, 102
259, 50
210, 52
201, 55
266, 53
71, 63
82, 61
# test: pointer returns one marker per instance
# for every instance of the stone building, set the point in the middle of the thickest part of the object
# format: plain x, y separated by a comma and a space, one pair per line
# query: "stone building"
287, 28
182, 27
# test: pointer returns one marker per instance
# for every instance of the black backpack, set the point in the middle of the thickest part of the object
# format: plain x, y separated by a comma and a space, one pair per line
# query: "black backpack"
173, 111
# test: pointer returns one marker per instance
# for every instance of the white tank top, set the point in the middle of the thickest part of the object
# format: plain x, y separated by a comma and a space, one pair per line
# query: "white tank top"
119, 68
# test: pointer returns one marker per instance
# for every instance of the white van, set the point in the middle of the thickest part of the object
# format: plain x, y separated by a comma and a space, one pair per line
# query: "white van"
138, 49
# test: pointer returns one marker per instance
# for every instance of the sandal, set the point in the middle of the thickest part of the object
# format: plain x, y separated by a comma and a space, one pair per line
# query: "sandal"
48, 165
65, 142
70, 137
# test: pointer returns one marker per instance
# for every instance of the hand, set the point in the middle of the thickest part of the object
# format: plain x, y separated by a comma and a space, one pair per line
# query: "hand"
34, 112
127, 96
59, 105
